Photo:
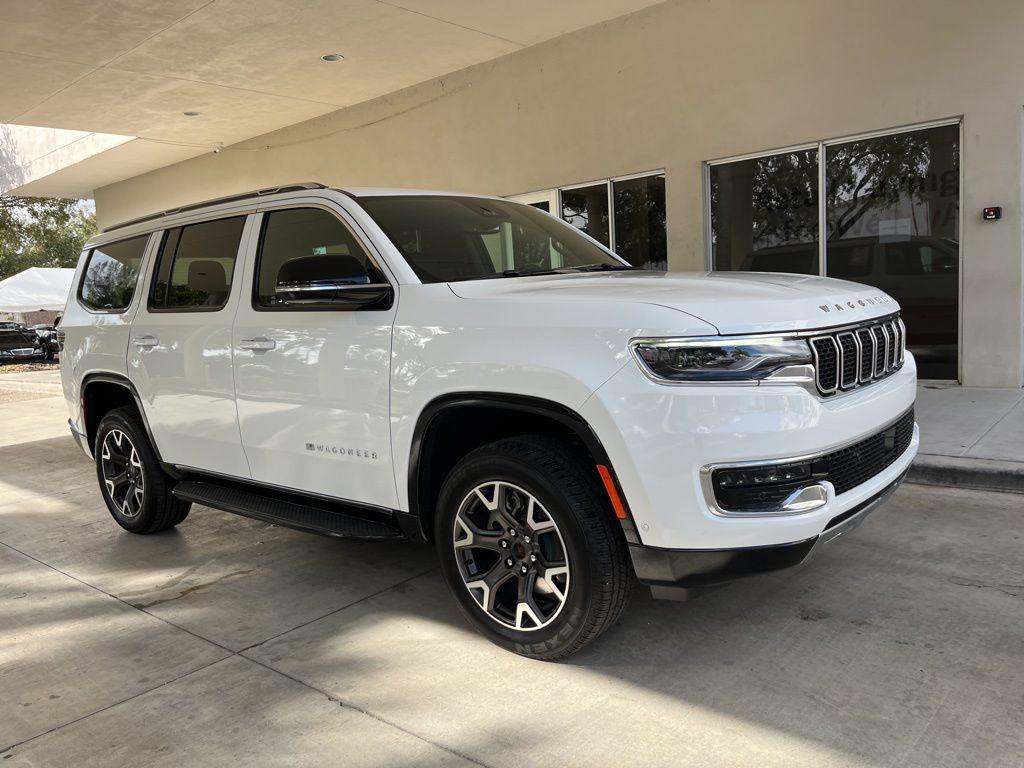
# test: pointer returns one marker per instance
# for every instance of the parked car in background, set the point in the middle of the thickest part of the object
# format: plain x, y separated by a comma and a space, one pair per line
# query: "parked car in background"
19, 344
48, 335
478, 374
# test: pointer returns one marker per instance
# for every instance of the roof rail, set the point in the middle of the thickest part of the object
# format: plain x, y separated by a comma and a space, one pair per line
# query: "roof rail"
217, 201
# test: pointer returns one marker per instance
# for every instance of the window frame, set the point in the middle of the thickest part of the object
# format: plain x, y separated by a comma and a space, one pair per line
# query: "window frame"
147, 236
165, 233
257, 251
821, 145
553, 197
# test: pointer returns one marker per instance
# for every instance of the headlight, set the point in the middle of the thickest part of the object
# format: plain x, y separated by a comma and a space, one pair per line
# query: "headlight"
723, 359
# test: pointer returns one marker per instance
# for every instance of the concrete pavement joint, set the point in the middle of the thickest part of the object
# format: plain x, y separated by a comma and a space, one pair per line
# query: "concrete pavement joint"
369, 713
995, 424
337, 610
80, 718
231, 653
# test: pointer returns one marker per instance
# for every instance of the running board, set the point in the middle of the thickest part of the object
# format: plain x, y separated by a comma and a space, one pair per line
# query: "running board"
291, 510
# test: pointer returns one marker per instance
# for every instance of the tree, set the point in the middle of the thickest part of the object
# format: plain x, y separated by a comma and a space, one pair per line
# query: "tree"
42, 232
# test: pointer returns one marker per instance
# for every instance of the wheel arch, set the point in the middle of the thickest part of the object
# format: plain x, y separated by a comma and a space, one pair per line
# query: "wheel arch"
491, 416
101, 392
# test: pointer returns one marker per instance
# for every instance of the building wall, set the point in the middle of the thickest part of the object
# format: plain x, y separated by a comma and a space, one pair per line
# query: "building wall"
670, 87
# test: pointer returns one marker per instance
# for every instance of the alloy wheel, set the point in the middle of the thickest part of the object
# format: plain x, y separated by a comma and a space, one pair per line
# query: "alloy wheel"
511, 556
122, 473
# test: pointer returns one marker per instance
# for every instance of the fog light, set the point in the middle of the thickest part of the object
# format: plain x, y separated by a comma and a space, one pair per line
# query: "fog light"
763, 475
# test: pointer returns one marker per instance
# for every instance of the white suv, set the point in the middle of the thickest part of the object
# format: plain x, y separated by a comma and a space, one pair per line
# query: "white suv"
475, 373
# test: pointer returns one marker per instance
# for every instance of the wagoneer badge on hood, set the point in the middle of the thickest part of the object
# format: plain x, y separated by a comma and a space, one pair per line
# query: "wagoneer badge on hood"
854, 304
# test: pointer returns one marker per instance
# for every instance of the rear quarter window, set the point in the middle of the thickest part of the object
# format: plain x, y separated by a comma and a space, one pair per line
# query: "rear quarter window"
111, 274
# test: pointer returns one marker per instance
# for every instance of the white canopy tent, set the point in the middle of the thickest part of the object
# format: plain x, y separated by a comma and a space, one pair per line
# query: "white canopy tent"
35, 289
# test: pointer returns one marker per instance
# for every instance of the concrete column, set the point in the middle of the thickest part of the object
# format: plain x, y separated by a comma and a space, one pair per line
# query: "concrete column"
991, 276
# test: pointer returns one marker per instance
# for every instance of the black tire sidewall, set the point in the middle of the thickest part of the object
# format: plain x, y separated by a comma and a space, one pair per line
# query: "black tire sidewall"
573, 616
151, 473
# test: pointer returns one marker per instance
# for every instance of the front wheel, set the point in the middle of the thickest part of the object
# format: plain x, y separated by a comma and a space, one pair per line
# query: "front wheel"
530, 548
135, 488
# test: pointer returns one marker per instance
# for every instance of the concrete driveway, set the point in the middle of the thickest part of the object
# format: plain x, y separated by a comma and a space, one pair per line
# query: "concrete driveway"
231, 642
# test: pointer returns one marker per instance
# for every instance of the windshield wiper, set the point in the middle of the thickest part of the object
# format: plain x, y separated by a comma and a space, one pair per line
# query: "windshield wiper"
602, 267
564, 270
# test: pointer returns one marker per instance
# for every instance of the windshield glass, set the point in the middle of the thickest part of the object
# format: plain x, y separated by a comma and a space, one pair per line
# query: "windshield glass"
447, 239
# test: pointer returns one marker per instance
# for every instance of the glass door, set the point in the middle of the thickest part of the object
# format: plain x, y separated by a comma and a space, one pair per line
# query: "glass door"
892, 212
882, 209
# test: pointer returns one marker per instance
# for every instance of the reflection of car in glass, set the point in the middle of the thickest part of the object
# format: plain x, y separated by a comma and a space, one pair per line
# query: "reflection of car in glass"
920, 272
18, 343
475, 373
48, 335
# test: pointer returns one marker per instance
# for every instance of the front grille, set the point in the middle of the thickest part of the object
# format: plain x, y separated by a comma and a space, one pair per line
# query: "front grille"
845, 468
851, 357
856, 464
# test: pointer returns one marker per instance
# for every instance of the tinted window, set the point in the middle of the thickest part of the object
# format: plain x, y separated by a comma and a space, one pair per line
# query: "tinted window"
764, 213
901, 194
851, 261
111, 274
306, 249
196, 265
464, 238
586, 208
640, 229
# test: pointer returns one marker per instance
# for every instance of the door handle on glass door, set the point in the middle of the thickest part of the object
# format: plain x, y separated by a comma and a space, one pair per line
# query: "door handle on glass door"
258, 344
145, 341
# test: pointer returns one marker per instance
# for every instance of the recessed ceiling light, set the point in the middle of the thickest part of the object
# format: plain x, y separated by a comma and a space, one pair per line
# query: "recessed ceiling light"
191, 114
332, 57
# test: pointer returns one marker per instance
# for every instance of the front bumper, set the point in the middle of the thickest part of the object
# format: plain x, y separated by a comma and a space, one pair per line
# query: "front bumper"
675, 573
21, 355
661, 441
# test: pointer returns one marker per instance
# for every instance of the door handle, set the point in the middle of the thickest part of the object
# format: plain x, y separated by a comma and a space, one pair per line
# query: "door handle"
145, 341
258, 344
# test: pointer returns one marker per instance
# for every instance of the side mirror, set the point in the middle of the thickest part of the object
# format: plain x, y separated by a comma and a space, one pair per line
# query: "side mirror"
334, 294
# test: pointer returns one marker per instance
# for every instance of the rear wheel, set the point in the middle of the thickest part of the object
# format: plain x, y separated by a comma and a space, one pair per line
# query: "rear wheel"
135, 488
530, 548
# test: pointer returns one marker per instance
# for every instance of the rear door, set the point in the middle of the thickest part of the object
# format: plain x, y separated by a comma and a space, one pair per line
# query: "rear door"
179, 356
96, 322
312, 377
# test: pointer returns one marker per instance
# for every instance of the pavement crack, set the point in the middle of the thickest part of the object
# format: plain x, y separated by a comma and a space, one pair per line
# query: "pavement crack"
190, 590
1013, 590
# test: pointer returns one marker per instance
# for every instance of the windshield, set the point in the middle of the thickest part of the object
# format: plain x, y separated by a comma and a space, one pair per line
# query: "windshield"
447, 239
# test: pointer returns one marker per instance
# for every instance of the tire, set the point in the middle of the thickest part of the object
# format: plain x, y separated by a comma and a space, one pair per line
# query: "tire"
143, 503
580, 577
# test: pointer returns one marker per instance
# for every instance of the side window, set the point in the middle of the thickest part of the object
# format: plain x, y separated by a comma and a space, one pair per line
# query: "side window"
108, 282
196, 264
305, 256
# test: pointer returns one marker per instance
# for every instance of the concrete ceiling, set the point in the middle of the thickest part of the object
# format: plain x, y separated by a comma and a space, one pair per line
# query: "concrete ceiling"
133, 67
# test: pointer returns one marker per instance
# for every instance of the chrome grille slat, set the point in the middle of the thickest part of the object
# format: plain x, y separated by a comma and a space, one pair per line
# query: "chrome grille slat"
867, 354
855, 356
848, 360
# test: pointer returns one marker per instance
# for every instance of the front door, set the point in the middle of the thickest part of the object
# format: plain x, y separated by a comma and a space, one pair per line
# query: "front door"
179, 356
312, 378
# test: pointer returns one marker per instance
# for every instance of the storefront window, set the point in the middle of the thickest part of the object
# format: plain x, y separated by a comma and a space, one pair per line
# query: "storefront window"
892, 211
640, 231
764, 214
893, 217
586, 208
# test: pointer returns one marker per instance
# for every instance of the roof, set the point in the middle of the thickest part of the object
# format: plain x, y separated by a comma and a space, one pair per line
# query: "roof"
36, 288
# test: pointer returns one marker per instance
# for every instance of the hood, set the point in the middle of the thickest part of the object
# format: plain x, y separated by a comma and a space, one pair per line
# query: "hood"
733, 302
